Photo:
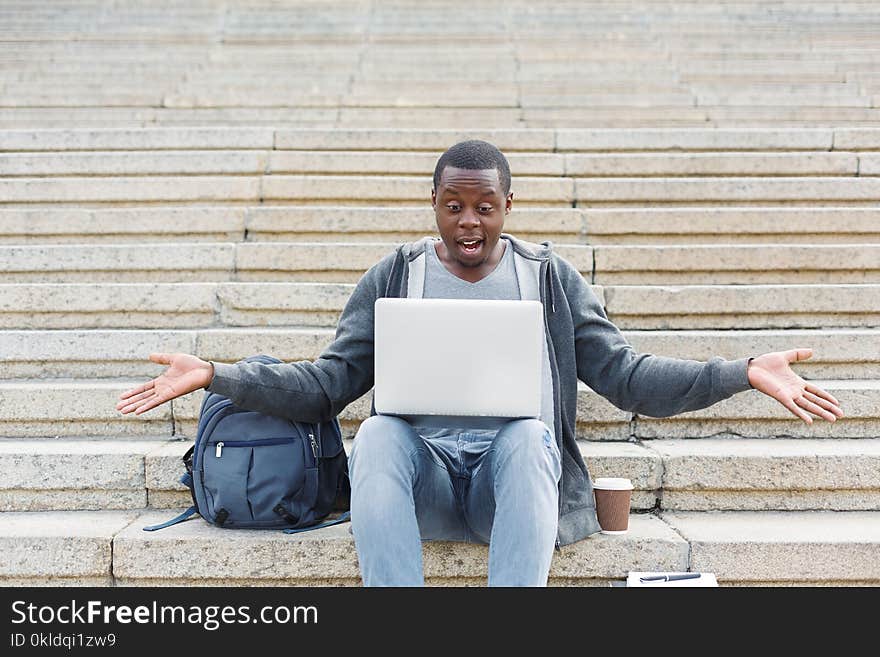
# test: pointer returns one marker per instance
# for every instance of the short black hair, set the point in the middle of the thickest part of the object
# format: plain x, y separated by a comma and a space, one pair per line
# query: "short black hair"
474, 154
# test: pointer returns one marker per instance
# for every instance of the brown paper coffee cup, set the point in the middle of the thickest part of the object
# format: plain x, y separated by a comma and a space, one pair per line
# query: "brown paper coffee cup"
613, 495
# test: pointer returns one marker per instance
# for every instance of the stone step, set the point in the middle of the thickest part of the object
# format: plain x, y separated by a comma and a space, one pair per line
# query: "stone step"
326, 118
346, 263
257, 188
740, 548
100, 354
773, 548
744, 307
87, 409
787, 225
109, 547
203, 305
734, 264
139, 139
699, 139
781, 474
708, 474
128, 163
134, 189
366, 189
802, 190
599, 226
436, 140
74, 474
133, 163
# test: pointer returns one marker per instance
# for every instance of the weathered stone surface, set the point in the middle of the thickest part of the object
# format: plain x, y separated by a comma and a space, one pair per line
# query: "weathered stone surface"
142, 138
72, 499
749, 190
163, 466
713, 164
130, 263
732, 225
837, 353
311, 262
130, 189
84, 354
869, 165
79, 225
745, 306
737, 416
698, 139
482, 119
737, 264
611, 98
67, 464
53, 545
807, 547
268, 304
134, 305
410, 140
85, 408
856, 139
287, 344
759, 98
744, 474
133, 163
196, 550
611, 118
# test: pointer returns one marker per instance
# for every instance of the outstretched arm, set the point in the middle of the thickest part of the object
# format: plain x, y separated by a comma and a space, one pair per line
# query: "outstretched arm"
657, 386
306, 391
770, 373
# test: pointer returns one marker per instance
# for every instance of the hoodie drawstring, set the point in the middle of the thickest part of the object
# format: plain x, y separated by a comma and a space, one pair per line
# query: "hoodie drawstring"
550, 285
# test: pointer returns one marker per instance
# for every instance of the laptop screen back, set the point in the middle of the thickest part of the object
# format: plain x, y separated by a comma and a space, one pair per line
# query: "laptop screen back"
449, 357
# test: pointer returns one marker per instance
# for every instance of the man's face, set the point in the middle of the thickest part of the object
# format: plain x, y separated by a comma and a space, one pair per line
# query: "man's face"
470, 207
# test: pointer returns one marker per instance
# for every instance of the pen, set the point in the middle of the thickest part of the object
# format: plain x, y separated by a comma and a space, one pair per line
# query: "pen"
669, 578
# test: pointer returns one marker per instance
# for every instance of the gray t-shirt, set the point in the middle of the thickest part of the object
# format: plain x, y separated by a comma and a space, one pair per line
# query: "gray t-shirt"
501, 283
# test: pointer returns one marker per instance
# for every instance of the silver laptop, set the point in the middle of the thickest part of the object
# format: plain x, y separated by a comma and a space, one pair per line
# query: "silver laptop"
448, 357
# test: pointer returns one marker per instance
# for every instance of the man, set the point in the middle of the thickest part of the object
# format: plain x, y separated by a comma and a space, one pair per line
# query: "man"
523, 488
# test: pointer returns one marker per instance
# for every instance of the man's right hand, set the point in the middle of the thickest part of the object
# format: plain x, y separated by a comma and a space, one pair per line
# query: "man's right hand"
185, 374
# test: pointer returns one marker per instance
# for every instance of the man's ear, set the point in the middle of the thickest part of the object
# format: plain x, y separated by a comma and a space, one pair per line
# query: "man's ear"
508, 205
433, 198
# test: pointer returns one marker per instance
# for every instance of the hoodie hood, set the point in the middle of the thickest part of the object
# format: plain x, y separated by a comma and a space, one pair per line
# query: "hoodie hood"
540, 253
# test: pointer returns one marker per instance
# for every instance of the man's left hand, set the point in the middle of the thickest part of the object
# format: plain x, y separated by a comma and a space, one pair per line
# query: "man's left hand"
770, 373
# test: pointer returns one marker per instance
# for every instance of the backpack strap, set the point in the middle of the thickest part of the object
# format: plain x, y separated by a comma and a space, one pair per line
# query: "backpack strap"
343, 518
186, 515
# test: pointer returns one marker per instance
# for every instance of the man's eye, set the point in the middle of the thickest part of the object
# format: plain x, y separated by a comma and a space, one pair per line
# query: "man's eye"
486, 208
453, 208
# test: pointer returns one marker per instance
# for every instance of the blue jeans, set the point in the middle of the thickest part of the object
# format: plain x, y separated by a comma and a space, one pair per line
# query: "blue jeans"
466, 487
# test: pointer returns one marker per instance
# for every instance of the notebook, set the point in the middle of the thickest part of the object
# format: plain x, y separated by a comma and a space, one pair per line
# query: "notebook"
453, 358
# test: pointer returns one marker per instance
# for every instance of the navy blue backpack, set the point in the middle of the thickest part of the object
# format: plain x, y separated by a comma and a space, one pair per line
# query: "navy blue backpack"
252, 470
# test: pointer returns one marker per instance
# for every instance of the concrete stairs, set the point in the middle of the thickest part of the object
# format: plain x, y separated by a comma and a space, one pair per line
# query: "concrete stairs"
213, 178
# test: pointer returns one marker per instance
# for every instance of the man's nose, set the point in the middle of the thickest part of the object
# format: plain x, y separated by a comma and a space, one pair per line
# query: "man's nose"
469, 218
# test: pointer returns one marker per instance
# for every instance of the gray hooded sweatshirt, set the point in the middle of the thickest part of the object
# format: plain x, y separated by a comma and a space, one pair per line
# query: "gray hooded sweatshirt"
582, 344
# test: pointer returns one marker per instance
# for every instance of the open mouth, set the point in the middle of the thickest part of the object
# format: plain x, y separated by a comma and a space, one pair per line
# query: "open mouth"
470, 246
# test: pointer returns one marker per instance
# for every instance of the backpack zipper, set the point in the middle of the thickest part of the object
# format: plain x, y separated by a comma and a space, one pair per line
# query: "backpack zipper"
218, 447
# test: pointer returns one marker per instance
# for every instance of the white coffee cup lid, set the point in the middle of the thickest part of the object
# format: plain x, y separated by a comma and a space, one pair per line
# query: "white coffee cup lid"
612, 483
